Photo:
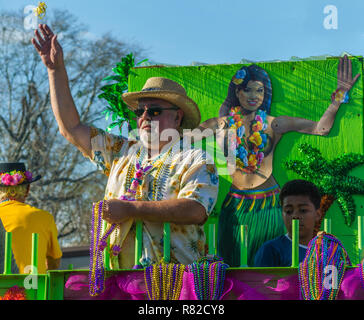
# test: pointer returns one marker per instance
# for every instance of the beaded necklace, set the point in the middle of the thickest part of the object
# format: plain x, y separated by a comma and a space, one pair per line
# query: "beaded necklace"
209, 277
96, 274
361, 269
98, 244
248, 150
163, 168
133, 190
324, 250
164, 281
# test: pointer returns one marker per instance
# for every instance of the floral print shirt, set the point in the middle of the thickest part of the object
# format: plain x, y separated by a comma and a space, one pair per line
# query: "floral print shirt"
191, 174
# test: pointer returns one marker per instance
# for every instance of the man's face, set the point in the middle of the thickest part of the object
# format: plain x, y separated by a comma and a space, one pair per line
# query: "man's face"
300, 207
155, 130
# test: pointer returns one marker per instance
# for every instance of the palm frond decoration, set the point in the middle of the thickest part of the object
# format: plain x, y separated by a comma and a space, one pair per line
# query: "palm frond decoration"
332, 178
117, 108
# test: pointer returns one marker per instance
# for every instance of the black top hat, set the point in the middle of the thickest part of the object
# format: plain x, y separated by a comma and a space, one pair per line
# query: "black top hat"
9, 169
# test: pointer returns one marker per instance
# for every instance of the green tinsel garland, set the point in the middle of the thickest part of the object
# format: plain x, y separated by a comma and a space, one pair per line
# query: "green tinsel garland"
112, 93
331, 176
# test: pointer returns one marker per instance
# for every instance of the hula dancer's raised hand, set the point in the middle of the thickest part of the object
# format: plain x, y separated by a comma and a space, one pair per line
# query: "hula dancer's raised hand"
50, 51
345, 81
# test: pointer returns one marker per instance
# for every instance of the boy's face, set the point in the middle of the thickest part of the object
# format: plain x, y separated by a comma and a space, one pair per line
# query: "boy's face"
300, 207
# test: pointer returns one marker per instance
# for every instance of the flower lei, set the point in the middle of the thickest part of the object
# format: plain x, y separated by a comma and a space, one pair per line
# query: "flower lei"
209, 277
323, 250
14, 178
14, 293
248, 150
164, 281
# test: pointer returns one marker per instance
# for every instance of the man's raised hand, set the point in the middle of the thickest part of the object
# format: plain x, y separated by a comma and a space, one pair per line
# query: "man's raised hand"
50, 51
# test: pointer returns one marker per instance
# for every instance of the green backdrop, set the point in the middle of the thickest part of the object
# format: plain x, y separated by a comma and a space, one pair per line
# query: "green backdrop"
300, 89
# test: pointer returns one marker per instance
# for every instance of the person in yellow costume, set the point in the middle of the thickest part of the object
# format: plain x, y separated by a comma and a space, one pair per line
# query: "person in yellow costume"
22, 220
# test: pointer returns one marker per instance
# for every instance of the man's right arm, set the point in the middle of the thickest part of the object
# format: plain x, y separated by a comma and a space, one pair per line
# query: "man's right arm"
66, 113
64, 109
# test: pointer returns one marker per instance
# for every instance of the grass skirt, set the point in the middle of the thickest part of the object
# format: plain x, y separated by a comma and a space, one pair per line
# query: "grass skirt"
260, 211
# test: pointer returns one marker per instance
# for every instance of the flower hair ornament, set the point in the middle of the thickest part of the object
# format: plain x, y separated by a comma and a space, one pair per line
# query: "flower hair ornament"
239, 76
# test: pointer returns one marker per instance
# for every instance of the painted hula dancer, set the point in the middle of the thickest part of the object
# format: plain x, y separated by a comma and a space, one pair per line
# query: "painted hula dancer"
253, 197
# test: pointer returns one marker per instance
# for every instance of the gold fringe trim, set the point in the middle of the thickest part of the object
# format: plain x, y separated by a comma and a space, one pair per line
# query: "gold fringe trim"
274, 199
240, 203
273, 194
228, 202
263, 204
252, 205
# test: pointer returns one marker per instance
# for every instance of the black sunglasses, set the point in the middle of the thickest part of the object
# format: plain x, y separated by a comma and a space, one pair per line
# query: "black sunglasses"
153, 111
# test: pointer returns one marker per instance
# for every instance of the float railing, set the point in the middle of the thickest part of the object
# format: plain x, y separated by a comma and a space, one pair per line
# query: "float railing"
295, 243
8, 253
361, 237
106, 251
167, 242
243, 246
8, 279
35, 253
243, 241
138, 242
327, 225
35, 284
212, 239
7, 258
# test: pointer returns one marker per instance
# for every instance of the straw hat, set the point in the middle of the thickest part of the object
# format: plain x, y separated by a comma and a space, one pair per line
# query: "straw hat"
171, 91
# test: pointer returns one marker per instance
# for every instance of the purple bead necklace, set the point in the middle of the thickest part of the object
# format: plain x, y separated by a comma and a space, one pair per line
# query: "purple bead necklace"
209, 277
97, 244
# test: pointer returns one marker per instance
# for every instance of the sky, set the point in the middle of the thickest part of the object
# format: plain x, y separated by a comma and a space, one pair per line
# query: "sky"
222, 31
